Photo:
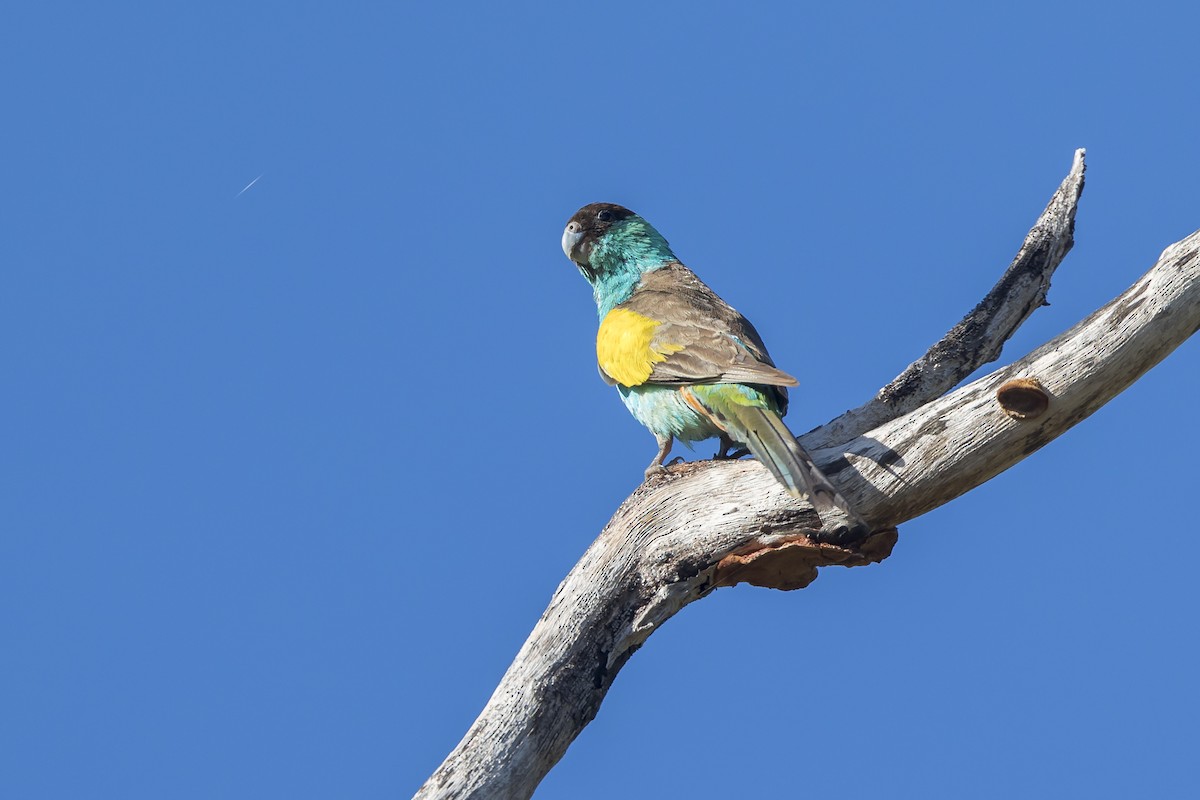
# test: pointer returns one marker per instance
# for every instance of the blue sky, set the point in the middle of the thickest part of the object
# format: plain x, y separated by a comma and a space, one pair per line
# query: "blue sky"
288, 475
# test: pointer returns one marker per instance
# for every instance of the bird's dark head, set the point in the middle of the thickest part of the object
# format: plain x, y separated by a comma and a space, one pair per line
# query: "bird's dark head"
608, 240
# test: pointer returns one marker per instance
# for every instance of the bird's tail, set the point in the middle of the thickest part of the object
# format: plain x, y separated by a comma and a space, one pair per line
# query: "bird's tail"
763, 433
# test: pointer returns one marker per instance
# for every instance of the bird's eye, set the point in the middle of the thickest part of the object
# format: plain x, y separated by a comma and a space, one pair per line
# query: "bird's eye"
604, 215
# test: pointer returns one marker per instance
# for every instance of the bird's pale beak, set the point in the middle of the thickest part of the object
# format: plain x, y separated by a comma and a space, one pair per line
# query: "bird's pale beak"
571, 236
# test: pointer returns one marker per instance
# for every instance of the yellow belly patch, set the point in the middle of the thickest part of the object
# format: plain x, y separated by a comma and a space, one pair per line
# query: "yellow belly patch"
624, 346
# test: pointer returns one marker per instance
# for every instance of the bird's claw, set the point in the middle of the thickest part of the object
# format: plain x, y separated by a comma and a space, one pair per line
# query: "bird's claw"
658, 469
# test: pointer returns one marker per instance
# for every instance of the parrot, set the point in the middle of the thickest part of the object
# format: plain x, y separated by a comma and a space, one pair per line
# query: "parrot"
684, 362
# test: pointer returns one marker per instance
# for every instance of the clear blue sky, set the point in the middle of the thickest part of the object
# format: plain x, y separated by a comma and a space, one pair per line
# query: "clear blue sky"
288, 476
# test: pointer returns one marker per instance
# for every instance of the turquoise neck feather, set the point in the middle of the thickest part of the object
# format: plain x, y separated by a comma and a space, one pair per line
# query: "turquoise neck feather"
618, 259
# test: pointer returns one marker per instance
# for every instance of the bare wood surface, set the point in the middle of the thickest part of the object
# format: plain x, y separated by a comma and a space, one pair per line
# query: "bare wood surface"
711, 524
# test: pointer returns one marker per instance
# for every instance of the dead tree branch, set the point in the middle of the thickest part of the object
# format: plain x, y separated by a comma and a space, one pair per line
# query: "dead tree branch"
981, 335
911, 449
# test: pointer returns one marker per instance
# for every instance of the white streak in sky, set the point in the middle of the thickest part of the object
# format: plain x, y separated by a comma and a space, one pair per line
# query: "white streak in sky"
248, 185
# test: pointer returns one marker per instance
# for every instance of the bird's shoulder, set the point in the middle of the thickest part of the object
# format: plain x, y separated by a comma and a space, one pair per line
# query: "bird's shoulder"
690, 311
675, 287
627, 347
674, 329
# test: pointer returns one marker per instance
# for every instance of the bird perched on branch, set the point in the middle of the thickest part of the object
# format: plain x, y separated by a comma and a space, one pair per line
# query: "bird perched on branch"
686, 364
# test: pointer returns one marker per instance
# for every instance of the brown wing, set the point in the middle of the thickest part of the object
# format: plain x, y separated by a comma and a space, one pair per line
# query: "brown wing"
716, 343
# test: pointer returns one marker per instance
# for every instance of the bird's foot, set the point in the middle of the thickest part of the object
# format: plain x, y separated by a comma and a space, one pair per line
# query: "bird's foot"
664, 447
725, 445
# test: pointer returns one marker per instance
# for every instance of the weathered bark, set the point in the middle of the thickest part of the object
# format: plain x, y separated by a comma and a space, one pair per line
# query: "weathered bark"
980, 336
711, 524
